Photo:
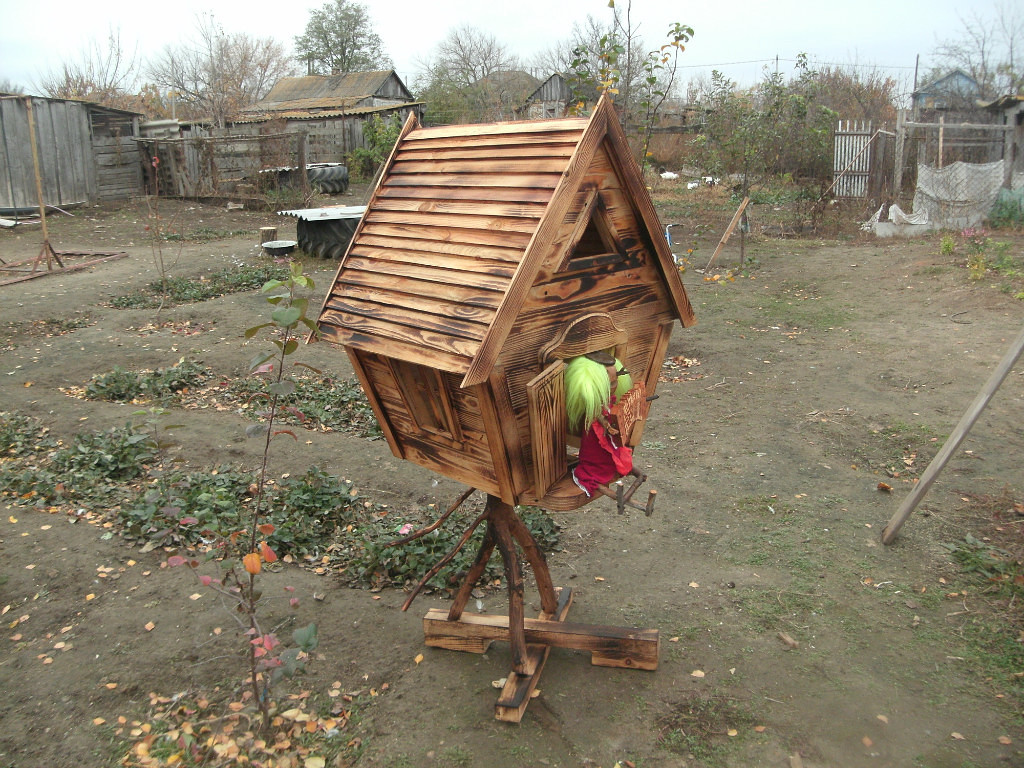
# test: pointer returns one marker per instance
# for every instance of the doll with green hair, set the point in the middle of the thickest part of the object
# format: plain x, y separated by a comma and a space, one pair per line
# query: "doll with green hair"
593, 383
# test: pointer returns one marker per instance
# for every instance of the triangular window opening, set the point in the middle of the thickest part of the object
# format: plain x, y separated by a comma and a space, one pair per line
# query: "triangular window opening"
597, 245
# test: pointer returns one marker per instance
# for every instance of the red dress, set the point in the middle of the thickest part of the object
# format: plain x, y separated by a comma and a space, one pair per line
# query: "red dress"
602, 459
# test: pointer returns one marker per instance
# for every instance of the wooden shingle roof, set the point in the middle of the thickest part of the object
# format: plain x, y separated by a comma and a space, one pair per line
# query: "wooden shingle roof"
456, 232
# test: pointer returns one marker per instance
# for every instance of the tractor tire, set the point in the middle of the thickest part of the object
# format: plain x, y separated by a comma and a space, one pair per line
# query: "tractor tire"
332, 179
325, 239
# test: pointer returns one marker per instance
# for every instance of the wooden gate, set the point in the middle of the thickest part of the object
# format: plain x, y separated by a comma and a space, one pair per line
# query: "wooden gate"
851, 162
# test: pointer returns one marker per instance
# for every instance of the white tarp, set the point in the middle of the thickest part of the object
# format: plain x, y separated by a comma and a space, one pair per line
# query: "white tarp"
959, 195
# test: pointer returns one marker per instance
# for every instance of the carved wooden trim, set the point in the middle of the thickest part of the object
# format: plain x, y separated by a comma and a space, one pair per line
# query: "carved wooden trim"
590, 333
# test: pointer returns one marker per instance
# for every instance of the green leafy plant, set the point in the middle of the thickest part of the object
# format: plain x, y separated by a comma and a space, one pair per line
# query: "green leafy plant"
380, 136
1000, 568
219, 283
947, 246
338, 404
377, 560
245, 551
120, 385
22, 435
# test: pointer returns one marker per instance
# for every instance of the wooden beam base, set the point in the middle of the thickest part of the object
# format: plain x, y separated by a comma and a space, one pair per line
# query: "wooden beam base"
608, 646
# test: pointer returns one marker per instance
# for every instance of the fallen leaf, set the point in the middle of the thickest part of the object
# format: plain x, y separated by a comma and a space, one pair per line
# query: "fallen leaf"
693, 584
194, 596
150, 626
314, 762
673, 639
957, 736
789, 641
419, 658
697, 673
759, 729
867, 742
98, 721
885, 487
883, 718
599, 578
731, 732
500, 683
1005, 740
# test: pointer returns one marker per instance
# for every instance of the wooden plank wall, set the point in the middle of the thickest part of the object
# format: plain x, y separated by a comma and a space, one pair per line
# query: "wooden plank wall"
470, 463
118, 168
67, 170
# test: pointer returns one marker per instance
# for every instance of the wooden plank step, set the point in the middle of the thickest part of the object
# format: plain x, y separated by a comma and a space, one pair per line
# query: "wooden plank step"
623, 647
518, 690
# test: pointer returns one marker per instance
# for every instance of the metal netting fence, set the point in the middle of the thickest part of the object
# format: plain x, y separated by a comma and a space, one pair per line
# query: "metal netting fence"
952, 173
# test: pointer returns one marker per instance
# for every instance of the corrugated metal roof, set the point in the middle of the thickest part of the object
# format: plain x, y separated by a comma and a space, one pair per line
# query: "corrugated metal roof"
324, 114
331, 91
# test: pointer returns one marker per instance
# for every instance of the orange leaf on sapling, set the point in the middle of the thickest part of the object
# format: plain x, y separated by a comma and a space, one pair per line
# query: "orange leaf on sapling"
252, 563
268, 554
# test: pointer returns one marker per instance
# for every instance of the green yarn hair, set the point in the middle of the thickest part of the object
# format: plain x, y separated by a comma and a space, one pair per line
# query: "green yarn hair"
587, 391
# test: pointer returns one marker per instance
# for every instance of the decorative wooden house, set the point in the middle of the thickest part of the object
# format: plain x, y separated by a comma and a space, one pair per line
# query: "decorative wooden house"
487, 255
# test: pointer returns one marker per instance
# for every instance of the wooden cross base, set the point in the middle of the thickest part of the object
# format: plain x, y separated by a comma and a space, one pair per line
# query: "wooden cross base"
530, 640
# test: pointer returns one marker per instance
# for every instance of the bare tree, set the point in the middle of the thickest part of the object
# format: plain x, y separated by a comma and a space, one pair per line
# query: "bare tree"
105, 75
8, 86
988, 49
339, 38
218, 73
471, 77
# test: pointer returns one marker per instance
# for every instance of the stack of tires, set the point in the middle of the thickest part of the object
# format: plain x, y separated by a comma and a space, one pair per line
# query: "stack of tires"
328, 179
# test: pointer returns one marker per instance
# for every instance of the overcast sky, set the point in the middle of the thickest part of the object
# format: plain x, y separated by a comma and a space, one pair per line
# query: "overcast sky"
738, 38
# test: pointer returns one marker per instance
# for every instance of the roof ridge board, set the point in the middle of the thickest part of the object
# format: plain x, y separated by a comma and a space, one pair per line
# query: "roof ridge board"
459, 220
460, 348
364, 341
525, 210
464, 152
495, 129
497, 140
543, 181
470, 296
500, 165
446, 234
406, 317
428, 274
434, 258
540, 195
429, 304
447, 248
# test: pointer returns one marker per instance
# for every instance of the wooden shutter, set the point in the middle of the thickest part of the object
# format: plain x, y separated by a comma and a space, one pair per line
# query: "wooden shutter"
548, 426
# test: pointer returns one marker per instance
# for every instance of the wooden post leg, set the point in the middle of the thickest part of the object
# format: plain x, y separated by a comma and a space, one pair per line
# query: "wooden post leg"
539, 564
501, 515
474, 574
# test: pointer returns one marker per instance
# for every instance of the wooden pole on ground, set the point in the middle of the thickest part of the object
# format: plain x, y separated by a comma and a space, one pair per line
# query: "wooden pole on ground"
728, 231
954, 440
47, 251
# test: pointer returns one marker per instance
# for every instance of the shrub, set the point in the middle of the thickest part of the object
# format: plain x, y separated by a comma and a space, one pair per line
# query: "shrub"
120, 385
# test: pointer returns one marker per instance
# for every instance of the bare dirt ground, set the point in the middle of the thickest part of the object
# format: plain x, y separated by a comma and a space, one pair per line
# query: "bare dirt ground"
790, 635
